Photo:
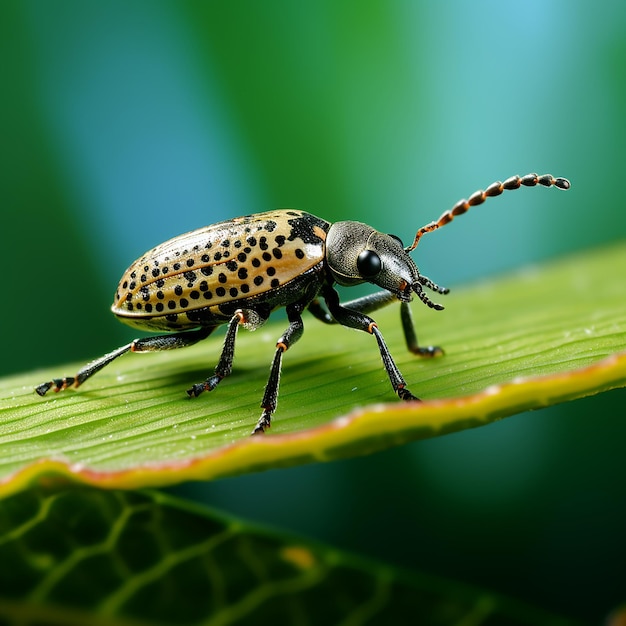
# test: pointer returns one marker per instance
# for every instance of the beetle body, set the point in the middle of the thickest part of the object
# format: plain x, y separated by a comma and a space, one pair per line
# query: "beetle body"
202, 277
236, 272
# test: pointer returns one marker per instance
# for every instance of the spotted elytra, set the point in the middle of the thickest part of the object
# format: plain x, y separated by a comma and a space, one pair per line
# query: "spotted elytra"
238, 271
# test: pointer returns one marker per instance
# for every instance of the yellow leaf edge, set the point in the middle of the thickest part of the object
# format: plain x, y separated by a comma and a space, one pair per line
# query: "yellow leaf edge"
359, 432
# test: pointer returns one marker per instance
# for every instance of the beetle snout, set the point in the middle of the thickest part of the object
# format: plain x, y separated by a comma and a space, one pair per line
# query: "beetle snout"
405, 291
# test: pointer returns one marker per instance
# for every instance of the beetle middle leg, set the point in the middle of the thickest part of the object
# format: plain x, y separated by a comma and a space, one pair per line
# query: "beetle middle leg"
248, 318
289, 337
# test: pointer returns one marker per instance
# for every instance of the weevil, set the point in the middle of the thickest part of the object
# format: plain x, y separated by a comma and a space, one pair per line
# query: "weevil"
238, 271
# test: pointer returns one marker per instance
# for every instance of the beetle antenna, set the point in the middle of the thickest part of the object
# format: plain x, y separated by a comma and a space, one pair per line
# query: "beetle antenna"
495, 189
427, 301
426, 282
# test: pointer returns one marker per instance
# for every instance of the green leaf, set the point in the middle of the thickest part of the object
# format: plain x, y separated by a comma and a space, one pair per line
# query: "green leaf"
536, 338
87, 556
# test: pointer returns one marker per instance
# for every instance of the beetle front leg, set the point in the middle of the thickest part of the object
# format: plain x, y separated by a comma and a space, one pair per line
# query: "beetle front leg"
270, 396
365, 304
360, 321
410, 336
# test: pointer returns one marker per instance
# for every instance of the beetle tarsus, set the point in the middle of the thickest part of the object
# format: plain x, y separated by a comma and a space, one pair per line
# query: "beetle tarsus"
429, 352
263, 424
43, 389
405, 394
208, 385
56, 384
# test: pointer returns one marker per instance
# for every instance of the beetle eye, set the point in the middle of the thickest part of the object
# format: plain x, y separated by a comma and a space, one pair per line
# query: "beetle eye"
368, 263
397, 239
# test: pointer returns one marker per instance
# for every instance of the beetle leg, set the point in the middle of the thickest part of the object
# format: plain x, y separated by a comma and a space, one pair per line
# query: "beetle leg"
373, 302
360, 321
366, 304
145, 344
225, 364
320, 312
270, 396
411, 337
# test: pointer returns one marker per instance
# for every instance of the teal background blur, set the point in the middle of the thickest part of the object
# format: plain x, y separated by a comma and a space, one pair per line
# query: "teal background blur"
125, 123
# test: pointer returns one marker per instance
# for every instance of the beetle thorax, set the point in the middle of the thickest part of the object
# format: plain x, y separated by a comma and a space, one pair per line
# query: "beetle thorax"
357, 253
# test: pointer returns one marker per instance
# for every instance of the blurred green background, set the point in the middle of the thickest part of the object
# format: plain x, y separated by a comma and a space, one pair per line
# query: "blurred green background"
126, 123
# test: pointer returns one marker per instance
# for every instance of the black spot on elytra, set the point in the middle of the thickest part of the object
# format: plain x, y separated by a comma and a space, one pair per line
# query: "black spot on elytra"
302, 228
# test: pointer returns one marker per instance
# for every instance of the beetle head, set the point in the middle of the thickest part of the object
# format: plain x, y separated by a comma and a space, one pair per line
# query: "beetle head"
356, 253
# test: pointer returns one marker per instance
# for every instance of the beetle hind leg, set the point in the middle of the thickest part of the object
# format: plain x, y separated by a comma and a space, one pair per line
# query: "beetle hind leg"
59, 384
145, 344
